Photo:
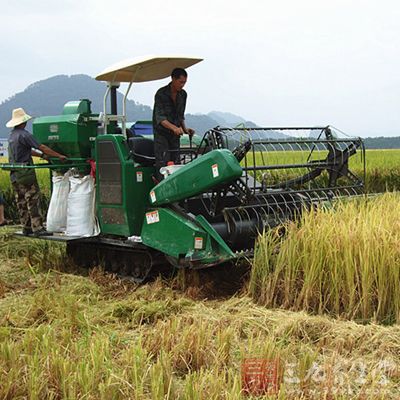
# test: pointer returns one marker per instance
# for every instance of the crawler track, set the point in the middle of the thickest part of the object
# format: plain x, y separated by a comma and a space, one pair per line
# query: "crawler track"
138, 263
135, 262
122, 257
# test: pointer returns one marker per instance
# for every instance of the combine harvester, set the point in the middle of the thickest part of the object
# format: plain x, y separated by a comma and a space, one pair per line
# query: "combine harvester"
237, 183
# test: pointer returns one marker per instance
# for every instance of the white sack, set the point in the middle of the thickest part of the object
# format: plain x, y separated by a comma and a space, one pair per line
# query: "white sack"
57, 212
81, 207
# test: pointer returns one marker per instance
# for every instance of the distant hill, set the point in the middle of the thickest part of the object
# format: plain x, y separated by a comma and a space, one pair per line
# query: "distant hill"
225, 118
229, 120
47, 97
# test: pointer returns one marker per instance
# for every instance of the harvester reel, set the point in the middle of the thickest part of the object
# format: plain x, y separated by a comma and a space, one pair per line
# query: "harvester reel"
285, 171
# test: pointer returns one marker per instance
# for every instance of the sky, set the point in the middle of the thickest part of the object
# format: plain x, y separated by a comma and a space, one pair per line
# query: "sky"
276, 63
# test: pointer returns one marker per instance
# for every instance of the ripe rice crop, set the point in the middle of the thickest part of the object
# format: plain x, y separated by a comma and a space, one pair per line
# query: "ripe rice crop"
344, 261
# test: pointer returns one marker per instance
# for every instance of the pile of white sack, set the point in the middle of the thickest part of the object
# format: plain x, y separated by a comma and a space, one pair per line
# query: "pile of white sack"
72, 206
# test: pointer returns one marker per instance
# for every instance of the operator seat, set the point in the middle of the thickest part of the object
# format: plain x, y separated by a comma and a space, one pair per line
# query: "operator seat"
142, 150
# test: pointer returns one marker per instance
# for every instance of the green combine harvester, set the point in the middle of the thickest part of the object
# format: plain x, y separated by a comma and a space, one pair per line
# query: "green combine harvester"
234, 184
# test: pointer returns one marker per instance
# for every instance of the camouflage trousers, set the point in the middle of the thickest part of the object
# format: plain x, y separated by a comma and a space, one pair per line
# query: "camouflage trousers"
27, 198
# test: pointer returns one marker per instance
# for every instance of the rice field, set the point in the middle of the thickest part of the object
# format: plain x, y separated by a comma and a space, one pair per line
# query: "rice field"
382, 173
65, 334
382, 167
321, 301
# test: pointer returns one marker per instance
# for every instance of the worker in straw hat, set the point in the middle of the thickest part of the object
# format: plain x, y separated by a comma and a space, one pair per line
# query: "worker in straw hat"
21, 147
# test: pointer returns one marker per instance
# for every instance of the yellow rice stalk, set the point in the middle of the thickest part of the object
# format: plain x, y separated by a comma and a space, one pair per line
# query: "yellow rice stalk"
344, 261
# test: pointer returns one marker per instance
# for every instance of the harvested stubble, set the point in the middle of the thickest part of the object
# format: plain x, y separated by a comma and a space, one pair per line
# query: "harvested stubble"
344, 261
95, 337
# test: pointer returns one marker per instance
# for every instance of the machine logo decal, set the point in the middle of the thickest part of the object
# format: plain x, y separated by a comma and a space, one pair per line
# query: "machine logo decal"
139, 176
152, 196
152, 217
215, 170
53, 128
198, 243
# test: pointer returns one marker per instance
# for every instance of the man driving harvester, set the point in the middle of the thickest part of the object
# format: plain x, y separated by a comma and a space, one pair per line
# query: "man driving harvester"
169, 120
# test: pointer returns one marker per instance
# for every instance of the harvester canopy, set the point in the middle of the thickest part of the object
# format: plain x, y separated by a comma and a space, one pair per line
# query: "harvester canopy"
145, 68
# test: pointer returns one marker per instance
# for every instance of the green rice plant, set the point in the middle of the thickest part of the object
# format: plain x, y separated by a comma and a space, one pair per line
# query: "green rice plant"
382, 174
161, 378
344, 261
43, 177
206, 384
139, 312
382, 167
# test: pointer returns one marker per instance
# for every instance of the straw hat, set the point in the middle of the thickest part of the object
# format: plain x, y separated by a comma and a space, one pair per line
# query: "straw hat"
19, 116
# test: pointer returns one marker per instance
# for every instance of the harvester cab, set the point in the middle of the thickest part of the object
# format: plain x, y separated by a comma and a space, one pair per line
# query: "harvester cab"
237, 183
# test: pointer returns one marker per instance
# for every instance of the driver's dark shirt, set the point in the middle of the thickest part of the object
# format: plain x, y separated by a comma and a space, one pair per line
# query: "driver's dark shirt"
166, 109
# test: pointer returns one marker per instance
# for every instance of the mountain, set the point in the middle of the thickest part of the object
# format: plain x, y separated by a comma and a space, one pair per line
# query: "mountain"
226, 118
200, 122
47, 97
230, 120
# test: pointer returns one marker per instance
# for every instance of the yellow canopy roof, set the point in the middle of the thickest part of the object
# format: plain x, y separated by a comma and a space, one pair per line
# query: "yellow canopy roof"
146, 68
